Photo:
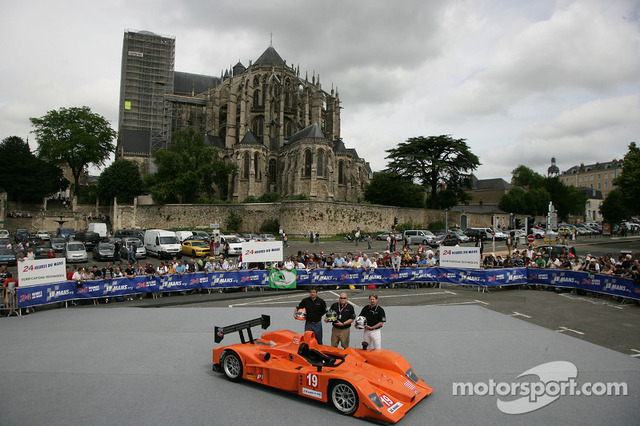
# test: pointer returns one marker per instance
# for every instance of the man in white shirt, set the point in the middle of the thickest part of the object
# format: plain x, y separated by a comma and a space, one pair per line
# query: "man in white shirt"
289, 264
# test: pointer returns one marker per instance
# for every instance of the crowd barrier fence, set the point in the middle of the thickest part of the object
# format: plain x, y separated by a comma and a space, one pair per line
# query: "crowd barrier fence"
70, 290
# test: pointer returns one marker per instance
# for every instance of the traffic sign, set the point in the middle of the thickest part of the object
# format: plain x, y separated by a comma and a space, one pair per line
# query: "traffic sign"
531, 238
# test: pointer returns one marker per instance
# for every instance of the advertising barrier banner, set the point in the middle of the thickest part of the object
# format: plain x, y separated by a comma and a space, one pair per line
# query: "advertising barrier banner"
42, 271
460, 257
262, 251
59, 292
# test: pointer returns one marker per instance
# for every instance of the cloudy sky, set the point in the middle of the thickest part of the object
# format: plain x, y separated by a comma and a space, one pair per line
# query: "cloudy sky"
522, 81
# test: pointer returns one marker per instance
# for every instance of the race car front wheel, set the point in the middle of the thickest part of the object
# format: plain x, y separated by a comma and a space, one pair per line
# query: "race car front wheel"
344, 397
232, 366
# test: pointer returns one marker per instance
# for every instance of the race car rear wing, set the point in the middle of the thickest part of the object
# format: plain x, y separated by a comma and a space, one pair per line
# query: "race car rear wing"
219, 332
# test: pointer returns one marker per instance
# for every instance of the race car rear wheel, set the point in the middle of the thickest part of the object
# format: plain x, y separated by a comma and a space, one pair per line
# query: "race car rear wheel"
344, 397
232, 366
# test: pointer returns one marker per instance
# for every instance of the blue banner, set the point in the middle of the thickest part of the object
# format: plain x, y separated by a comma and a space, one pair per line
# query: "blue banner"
65, 291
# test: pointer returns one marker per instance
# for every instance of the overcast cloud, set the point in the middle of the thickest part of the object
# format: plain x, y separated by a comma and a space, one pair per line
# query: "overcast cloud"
522, 81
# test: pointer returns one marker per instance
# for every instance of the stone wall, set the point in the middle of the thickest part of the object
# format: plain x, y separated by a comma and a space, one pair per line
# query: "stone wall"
297, 218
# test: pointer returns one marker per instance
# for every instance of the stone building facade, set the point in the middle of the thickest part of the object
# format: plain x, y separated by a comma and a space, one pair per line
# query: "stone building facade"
280, 129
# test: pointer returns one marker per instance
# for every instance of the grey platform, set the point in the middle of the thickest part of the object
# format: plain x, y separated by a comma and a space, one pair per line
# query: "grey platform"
153, 367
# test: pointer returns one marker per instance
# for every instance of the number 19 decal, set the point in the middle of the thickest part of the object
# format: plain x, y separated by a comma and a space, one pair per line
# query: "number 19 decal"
312, 380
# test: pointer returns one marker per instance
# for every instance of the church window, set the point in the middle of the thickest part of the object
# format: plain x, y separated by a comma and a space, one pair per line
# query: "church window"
258, 127
272, 171
255, 165
320, 167
307, 163
341, 173
288, 129
247, 161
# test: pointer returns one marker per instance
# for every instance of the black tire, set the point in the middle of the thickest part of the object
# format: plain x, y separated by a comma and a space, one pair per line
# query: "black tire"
344, 398
232, 366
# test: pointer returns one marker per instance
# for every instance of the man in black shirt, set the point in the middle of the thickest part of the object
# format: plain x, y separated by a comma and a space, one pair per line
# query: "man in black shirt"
316, 308
376, 317
345, 314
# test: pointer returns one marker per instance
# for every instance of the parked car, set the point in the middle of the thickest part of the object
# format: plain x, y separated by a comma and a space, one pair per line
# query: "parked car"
252, 237
196, 248
200, 235
7, 257
446, 239
268, 237
4, 233
57, 243
235, 244
461, 236
419, 236
499, 234
99, 228
183, 235
88, 238
162, 243
104, 251
21, 234
44, 235
65, 232
4, 241
126, 233
141, 251
75, 251
41, 251
476, 233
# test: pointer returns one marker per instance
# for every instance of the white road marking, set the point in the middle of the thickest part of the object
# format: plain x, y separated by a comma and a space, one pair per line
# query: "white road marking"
563, 329
287, 299
480, 301
471, 302
592, 301
518, 314
636, 355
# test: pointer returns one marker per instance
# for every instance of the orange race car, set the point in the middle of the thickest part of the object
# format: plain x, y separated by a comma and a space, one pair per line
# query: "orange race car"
377, 383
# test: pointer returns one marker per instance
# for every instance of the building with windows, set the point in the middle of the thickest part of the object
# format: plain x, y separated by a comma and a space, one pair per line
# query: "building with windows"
281, 130
147, 73
592, 206
598, 176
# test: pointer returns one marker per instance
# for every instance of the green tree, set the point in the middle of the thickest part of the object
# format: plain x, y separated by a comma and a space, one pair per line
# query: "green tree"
122, 180
188, 171
389, 189
538, 201
25, 177
524, 177
514, 202
566, 199
435, 162
629, 179
530, 202
533, 192
75, 137
614, 208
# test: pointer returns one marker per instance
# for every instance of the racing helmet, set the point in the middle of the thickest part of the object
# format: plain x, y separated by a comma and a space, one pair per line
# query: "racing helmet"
301, 314
332, 316
361, 322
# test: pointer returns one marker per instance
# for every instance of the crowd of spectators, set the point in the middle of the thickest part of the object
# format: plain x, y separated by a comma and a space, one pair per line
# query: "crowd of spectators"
622, 266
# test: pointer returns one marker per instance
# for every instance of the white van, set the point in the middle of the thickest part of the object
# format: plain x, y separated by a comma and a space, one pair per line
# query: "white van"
162, 244
98, 228
183, 235
419, 236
